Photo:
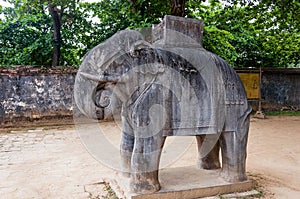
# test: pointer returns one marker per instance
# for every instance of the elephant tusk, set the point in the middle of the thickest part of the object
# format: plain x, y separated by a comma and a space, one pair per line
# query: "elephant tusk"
100, 78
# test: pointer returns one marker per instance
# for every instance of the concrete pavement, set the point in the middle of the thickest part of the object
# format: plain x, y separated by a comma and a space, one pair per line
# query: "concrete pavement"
48, 164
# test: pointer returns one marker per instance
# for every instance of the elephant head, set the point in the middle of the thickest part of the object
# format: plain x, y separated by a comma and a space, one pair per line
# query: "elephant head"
101, 69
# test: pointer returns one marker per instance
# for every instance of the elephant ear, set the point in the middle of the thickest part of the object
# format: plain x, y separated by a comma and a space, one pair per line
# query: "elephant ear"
98, 61
150, 69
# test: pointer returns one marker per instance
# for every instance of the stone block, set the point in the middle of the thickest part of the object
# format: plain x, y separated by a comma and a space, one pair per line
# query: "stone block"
187, 26
183, 183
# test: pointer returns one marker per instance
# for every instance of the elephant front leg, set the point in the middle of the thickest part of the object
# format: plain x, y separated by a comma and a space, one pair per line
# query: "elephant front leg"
145, 164
208, 151
233, 147
126, 149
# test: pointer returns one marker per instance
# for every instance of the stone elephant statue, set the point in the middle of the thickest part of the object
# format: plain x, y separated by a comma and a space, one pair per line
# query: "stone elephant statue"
163, 90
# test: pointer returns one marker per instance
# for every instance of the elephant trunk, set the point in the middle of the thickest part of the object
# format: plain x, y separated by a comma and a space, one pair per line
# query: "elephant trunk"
90, 95
100, 78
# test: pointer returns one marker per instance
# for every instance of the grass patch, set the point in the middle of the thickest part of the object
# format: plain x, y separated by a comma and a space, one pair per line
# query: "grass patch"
111, 194
289, 113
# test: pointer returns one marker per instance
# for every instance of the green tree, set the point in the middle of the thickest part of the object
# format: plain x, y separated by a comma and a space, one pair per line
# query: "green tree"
217, 38
278, 28
251, 33
59, 10
245, 33
24, 39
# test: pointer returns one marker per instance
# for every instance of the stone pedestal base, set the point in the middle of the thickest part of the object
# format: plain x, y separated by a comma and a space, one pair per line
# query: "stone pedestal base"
184, 183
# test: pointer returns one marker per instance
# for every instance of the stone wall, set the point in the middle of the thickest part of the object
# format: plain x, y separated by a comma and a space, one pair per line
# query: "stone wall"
28, 93
280, 89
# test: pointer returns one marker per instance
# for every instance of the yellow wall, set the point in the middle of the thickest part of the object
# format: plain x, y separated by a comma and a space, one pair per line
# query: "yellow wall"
251, 84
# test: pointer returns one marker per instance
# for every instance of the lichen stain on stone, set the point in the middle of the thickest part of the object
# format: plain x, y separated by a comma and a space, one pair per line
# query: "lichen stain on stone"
35, 96
21, 104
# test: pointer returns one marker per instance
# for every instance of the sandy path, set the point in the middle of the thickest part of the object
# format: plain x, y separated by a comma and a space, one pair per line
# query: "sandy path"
274, 154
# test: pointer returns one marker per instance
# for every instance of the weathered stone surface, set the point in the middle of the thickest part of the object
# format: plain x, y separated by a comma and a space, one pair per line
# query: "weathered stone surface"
32, 96
184, 183
281, 88
190, 29
170, 87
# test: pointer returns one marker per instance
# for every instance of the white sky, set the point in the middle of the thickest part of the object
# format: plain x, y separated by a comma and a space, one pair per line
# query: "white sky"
4, 4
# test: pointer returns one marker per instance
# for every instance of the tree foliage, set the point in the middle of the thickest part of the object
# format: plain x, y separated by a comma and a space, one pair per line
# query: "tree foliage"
252, 33
25, 39
278, 31
245, 33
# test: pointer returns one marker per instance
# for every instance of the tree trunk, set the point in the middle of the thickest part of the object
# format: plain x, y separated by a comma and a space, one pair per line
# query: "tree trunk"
178, 7
56, 35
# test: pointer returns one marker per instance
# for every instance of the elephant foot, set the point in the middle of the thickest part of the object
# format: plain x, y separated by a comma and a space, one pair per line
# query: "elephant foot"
126, 165
144, 188
144, 183
209, 165
233, 176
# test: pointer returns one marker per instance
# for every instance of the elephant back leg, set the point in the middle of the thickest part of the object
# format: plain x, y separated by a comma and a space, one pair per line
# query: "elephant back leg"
145, 164
233, 146
208, 151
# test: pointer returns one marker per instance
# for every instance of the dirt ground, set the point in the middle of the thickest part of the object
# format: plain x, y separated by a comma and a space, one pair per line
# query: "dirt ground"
51, 162
274, 155
273, 160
